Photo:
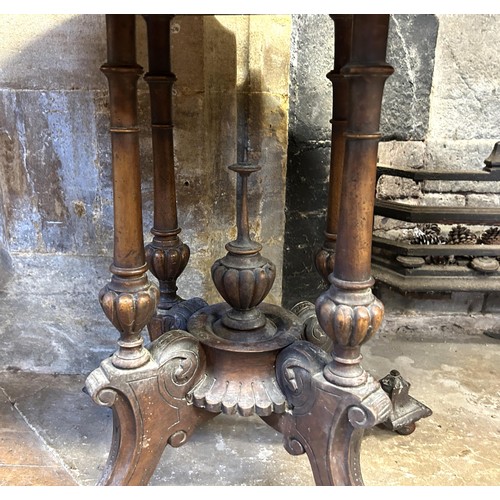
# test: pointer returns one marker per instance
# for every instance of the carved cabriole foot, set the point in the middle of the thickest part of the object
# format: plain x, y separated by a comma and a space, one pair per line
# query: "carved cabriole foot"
150, 410
325, 421
406, 410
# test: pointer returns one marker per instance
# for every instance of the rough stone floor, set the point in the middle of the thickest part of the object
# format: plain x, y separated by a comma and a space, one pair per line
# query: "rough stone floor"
52, 335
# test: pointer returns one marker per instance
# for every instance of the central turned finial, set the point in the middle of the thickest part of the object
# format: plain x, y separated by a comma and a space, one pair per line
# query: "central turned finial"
243, 245
243, 277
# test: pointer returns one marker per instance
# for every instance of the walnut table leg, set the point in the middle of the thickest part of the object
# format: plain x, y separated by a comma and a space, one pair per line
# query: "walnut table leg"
145, 387
167, 255
332, 396
324, 257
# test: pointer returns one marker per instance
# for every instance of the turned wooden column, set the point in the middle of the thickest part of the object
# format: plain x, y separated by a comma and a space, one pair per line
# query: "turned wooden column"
324, 258
167, 255
129, 300
348, 312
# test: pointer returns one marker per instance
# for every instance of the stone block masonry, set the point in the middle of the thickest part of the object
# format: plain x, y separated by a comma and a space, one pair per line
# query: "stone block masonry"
440, 111
54, 135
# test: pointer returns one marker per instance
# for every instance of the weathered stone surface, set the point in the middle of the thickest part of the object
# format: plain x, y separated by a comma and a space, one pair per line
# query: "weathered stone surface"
46, 291
464, 102
410, 50
55, 145
311, 94
49, 170
445, 154
6, 268
492, 303
461, 186
390, 188
52, 51
413, 307
482, 200
305, 225
401, 153
385, 224
443, 200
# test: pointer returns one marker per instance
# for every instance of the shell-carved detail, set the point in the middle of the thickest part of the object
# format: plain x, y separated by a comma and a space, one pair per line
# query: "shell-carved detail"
243, 289
346, 325
167, 262
324, 261
296, 367
129, 312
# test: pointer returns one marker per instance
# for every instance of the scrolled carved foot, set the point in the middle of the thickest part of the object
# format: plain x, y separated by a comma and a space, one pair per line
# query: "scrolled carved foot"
150, 410
326, 421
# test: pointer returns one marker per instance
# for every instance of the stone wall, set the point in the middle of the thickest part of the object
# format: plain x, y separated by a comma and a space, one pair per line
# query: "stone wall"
55, 172
462, 127
440, 111
6, 269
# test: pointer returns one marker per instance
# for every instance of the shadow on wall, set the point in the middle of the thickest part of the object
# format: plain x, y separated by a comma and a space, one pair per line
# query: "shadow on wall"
405, 117
55, 169
55, 175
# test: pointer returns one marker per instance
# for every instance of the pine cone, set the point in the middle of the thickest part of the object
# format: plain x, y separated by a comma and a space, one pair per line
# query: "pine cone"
431, 228
491, 236
461, 235
427, 237
428, 234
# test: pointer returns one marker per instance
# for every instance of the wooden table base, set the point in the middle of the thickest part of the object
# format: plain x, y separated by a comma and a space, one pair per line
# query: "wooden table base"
243, 356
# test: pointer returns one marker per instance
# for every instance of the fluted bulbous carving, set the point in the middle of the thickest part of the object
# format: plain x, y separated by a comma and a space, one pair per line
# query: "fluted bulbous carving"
243, 277
130, 305
349, 325
349, 314
129, 312
346, 324
167, 262
243, 289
